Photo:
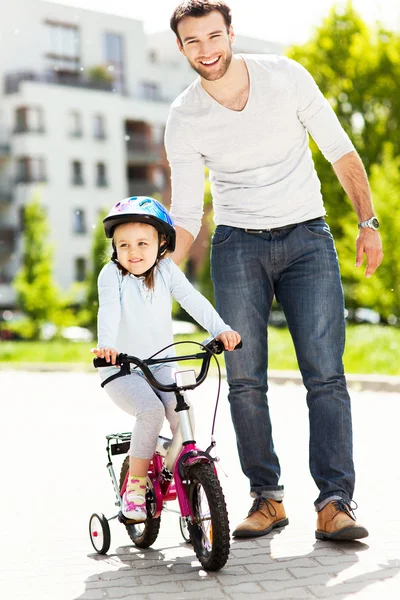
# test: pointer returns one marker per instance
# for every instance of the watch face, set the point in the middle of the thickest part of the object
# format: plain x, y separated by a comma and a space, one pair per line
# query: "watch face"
375, 222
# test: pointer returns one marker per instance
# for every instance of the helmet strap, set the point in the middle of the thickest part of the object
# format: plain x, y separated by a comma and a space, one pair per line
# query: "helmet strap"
162, 246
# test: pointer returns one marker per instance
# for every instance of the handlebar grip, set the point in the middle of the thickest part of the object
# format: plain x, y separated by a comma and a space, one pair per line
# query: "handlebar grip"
217, 347
101, 362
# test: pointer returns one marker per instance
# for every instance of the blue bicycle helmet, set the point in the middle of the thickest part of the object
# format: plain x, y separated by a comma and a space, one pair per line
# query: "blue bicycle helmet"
141, 209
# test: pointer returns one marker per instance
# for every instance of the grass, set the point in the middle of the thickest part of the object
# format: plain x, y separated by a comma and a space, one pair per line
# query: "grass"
370, 349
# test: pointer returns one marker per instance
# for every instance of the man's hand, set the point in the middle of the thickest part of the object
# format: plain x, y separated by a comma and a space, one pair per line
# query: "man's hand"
369, 243
110, 354
230, 339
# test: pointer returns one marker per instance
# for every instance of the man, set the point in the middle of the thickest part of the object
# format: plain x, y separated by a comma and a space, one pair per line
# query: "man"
247, 118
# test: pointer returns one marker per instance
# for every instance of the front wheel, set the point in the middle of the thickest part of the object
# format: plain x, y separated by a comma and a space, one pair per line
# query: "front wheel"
143, 535
209, 531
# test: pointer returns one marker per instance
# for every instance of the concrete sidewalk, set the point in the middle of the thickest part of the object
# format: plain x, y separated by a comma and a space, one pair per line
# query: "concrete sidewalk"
54, 477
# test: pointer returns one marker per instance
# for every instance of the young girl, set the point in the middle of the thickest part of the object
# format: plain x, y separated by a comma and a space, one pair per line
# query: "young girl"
135, 304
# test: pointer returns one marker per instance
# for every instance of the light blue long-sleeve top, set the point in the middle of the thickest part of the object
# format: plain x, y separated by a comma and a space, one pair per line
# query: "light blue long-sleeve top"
138, 321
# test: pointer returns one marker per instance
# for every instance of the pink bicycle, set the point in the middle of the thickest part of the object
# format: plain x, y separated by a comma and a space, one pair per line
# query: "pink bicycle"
178, 469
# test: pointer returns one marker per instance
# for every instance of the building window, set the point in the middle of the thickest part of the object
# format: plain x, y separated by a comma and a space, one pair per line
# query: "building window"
150, 91
99, 127
30, 169
79, 221
113, 52
153, 56
80, 269
159, 178
28, 119
77, 173
62, 48
157, 134
74, 123
101, 175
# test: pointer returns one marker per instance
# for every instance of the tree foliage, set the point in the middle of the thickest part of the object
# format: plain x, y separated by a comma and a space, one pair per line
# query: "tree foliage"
205, 284
100, 254
356, 68
37, 295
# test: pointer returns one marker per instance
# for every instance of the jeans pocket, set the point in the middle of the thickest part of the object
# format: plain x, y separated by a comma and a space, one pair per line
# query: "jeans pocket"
221, 235
318, 228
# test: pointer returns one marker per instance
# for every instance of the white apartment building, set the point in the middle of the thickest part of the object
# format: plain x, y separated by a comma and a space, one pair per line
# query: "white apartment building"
84, 98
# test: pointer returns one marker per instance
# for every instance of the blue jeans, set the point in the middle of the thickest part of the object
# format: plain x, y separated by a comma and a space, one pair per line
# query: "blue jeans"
298, 264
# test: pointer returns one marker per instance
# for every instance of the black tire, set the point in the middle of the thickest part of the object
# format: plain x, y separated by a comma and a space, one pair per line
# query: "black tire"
183, 526
209, 532
99, 531
143, 535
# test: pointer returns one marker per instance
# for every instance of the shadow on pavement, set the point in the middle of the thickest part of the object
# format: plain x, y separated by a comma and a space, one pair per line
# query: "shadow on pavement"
329, 570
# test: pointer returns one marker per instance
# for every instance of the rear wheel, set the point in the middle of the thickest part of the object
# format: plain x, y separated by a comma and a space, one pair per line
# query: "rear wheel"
144, 534
209, 531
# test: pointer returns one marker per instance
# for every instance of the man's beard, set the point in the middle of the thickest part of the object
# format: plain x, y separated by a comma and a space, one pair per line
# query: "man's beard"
223, 66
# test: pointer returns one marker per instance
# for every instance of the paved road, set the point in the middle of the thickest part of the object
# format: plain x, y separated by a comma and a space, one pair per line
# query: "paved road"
53, 477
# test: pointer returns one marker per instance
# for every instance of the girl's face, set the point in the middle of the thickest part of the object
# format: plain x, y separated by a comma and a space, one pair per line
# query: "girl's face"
137, 246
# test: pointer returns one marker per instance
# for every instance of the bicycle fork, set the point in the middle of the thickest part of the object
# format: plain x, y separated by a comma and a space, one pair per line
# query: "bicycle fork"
188, 455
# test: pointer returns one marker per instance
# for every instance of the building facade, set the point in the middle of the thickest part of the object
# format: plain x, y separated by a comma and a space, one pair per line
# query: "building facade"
83, 105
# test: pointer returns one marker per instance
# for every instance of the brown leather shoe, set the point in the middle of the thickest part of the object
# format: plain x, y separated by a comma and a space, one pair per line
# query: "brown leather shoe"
264, 515
336, 521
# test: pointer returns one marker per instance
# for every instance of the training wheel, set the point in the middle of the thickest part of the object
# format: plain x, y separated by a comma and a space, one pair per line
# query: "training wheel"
184, 530
99, 531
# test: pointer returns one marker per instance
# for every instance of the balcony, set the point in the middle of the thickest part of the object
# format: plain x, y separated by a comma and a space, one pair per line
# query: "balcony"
7, 240
142, 187
13, 80
30, 178
141, 150
26, 129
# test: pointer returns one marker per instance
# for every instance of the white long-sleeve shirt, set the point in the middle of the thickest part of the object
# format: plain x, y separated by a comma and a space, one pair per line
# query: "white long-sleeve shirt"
134, 320
261, 170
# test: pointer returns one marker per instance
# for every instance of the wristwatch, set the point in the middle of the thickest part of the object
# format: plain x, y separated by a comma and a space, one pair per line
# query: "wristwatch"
372, 223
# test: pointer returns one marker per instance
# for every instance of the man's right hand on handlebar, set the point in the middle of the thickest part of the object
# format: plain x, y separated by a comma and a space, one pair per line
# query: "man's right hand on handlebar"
110, 354
230, 339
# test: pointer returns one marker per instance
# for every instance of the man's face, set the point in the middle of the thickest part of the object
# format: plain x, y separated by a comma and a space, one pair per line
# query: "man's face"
207, 44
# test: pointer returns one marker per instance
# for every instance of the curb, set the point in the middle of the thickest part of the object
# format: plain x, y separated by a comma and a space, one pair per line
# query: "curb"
357, 383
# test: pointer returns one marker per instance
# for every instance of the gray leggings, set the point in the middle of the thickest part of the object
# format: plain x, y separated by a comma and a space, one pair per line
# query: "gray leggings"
135, 396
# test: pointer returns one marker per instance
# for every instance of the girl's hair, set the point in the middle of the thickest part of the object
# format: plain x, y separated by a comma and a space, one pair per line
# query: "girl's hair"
199, 8
149, 275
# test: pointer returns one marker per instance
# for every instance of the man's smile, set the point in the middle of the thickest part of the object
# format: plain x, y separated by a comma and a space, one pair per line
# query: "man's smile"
210, 62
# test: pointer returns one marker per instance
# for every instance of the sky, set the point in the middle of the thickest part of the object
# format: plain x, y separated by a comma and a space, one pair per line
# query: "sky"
283, 21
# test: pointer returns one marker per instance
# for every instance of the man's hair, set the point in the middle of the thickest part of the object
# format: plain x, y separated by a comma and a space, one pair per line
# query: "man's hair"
199, 8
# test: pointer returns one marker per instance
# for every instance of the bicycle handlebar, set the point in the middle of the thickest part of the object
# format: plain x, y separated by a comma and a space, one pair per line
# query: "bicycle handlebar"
211, 348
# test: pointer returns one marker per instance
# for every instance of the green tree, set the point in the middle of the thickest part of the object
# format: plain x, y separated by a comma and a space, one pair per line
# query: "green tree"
356, 69
383, 290
205, 284
100, 254
37, 295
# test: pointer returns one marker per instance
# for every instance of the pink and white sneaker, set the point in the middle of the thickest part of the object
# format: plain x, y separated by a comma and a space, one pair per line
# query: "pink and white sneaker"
134, 507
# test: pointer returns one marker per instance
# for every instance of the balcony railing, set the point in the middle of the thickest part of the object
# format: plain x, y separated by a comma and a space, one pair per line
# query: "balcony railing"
141, 150
28, 178
13, 80
142, 187
26, 129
